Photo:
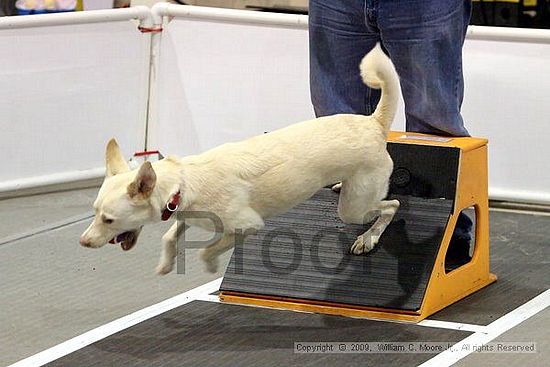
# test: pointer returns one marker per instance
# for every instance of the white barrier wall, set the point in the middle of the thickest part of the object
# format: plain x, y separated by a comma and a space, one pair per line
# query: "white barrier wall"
507, 100
64, 91
224, 76
222, 82
225, 80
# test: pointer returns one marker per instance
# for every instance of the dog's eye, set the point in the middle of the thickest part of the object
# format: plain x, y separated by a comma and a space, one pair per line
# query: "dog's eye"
108, 221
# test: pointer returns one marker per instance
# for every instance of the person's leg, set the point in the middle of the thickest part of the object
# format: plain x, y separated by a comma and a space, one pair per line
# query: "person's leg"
424, 39
339, 38
459, 248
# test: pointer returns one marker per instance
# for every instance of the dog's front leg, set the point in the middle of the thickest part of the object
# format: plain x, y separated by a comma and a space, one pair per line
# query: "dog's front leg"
366, 242
210, 254
169, 247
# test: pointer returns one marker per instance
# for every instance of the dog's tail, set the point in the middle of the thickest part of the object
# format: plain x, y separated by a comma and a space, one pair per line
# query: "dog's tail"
378, 72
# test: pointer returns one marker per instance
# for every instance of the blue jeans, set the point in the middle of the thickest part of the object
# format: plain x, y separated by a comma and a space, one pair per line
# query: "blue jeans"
424, 40
422, 37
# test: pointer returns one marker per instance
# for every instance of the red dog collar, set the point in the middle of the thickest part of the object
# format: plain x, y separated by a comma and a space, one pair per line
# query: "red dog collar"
171, 207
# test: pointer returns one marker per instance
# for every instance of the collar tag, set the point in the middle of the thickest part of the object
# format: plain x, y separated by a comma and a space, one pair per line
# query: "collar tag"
171, 207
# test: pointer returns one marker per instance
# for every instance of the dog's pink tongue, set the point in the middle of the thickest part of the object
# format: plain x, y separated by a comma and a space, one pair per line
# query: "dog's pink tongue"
129, 241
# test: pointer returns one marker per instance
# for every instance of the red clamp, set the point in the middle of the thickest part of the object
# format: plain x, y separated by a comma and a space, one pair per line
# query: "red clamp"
150, 30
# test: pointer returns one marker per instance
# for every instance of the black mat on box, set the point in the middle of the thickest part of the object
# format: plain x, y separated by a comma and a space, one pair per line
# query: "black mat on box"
424, 171
304, 254
210, 334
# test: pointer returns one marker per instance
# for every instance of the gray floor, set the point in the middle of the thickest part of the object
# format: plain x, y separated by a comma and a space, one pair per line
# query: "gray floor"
210, 334
30, 213
534, 329
52, 289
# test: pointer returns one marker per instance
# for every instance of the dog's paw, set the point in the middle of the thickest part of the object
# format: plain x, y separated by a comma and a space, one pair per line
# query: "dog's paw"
363, 244
211, 265
164, 267
337, 187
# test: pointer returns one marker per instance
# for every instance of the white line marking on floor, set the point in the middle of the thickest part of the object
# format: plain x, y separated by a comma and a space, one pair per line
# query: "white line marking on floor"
453, 325
117, 325
209, 298
493, 330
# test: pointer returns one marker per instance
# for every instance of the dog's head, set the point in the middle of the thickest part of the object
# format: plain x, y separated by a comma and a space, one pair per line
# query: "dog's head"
123, 203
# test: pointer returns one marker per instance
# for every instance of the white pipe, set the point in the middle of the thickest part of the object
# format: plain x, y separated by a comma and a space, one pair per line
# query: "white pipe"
508, 34
143, 119
152, 99
153, 72
519, 196
158, 11
142, 13
301, 21
229, 15
53, 179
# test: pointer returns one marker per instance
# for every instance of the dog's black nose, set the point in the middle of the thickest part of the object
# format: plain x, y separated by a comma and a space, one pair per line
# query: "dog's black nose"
84, 242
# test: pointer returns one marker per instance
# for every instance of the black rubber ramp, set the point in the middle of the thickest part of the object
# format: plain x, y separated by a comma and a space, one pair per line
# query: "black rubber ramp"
211, 334
304, 254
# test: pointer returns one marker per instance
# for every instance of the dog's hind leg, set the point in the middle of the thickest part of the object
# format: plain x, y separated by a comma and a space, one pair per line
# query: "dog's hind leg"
361, 200
169, 247
366, 242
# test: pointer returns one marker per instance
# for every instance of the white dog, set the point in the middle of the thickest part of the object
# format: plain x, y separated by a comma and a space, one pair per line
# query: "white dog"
246, 182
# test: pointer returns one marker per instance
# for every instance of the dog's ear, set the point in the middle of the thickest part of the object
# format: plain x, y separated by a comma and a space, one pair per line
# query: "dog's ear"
144, 183
114, 160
